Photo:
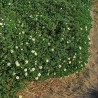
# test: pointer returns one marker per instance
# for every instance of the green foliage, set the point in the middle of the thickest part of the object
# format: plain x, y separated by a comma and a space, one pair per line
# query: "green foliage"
41, 39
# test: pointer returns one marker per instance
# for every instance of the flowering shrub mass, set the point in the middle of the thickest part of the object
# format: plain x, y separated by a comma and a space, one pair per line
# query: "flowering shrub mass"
41, 39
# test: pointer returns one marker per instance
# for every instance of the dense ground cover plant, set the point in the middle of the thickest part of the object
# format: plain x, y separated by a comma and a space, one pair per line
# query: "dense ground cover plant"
41, 39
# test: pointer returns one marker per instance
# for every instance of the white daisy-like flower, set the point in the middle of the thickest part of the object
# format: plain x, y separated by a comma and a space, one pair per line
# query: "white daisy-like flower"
23, 32
89, 38
16, 47
33, 51
1, 24
52, 49
20, 96
21, 44
59, 66
35, 62
40, 67
19, 33
68, 58
67, 42
17, 77
26, 61
79, 62
77, 72
47, 74
39, 74
21, 49
64, 61
9, 3
68, 28
62, 38
43, 39
47, 60
26, 74
69, 62
25, 69
81, 28
33, 69
17, 63
85, 64
14, 73
86, 28
27, 43
33, 39
54, 73
80, 47
12, 51
36, 78
74, 56
64, 69
9, 64
49, 44
39, 35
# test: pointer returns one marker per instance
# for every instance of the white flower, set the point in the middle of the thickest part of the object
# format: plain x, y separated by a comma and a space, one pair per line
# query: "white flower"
52, 49
67, 42
68, 58
14, 73
21, 49
68, 28
43, 39
27, 43
49, 44
36, 78
9, 3
80, 47
86, 28
17, 77
81, 28
16, 47
26, 74
89, 38
35, 62
9, 64
40, 67
64, 69
1, 24
69, 62
12, 51
47, 60
26, 61
62, 38
39, 74
33, 69
48, 74
33, 39
36, 53
74, 56
77, 72
17, 63
59, 66
25, 69
54, 73
23, 32
20, 96
33, 51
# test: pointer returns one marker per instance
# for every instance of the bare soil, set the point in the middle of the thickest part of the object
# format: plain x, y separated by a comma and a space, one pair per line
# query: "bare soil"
76, 85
